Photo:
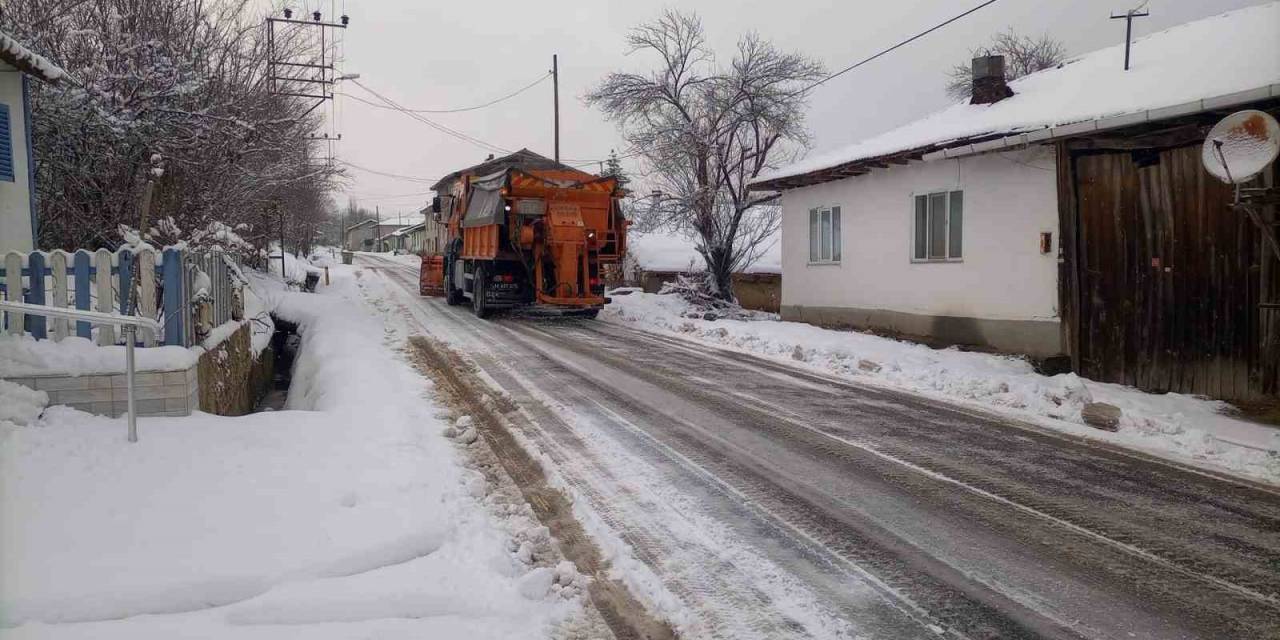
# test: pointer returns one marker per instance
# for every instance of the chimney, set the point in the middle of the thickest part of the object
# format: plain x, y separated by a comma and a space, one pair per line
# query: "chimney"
988, 80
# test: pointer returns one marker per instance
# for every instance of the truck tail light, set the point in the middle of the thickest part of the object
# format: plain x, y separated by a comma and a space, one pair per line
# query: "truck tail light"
595, 282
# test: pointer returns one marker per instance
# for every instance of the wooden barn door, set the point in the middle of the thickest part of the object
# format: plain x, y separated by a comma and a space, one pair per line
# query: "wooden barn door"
1167, 278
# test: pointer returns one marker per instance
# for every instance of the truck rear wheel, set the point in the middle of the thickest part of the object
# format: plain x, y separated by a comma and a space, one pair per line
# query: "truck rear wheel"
452, 294
478, 285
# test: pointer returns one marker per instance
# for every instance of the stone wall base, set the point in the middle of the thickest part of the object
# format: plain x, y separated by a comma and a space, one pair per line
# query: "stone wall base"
156, 393
233, 378
1035, 338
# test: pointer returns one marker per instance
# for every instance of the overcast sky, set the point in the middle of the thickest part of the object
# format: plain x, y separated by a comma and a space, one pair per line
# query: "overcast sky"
435, 55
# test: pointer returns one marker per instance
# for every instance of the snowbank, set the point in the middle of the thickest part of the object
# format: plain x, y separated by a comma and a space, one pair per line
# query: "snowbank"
1180, 426
295, 268
19, 404
347, 516
22, 355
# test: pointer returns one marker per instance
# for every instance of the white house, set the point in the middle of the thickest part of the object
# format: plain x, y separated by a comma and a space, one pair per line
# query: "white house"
18, 65
1043, 216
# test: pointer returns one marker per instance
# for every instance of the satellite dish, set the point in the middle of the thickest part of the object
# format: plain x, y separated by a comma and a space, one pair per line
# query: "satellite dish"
1241, 146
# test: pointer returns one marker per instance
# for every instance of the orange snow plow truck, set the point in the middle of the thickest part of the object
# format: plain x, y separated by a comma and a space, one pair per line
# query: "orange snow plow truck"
524, 230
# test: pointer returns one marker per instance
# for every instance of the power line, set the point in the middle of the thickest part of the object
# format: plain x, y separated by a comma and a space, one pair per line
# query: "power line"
896, 46
387, 196
490, 103
434, 125
386, 174
839, 73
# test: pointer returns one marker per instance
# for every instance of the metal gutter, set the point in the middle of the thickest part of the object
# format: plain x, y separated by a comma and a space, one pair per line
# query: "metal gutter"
1048, 134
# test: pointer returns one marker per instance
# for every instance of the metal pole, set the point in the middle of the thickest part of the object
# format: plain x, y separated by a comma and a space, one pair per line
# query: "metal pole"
129, 331
555, 83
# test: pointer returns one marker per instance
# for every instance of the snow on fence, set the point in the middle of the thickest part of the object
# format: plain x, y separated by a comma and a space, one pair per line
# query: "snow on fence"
170, 284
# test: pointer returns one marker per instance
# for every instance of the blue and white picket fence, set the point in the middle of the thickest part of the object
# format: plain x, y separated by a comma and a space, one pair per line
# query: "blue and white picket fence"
102, 281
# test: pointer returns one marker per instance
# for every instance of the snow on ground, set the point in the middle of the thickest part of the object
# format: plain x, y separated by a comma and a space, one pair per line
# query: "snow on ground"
22, 355
295, 268
1179, 426
348, 515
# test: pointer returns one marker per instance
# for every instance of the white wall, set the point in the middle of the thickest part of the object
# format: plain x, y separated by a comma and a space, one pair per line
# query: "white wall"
1009, 199
15, 197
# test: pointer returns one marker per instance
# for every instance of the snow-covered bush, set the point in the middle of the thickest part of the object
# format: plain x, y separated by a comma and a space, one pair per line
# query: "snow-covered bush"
177, 83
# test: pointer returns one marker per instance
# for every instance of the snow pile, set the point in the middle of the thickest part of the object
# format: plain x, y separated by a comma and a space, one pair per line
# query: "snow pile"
22, 355
295, 268
1216, 56
1171, 424
20, 405
347, 516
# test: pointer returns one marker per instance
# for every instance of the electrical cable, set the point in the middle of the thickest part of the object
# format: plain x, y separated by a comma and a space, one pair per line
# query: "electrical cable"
841, 72
490, 103
386, 174
435, 125
903, 43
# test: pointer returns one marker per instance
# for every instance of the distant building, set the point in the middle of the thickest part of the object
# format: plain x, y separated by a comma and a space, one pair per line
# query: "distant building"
366, 235
434, 233
658, 257
18, 224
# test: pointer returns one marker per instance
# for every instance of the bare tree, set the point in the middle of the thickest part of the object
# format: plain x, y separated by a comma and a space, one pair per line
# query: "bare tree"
704, 131
178, 79
1022, 55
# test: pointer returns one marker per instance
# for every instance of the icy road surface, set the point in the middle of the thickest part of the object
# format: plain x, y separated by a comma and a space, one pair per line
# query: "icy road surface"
746, 499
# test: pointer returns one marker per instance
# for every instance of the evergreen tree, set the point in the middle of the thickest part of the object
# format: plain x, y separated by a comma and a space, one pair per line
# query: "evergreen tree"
613, 167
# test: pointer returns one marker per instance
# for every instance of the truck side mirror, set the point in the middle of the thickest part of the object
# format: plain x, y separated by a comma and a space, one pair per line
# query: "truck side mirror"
435, 204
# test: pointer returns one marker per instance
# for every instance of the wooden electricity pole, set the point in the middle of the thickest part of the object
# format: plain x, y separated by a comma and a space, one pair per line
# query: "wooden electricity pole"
555, 84
1128, 30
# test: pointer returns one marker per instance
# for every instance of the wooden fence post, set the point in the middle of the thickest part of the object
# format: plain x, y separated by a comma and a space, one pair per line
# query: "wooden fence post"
13, 289
174, 309
147, 292
35, 294
106, 295
58, 267
124, 271
84, 296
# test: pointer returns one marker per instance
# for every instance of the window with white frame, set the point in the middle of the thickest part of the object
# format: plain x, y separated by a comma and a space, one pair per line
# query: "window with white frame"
824, 234
938, 228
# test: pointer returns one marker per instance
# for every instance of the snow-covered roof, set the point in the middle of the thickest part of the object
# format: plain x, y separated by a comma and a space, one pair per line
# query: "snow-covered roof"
665, 251
362, 223
1216, 57
28, 61
405, 230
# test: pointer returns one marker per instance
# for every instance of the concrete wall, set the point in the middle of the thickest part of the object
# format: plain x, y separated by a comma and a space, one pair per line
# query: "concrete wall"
1003, 293
156, 393
15, 197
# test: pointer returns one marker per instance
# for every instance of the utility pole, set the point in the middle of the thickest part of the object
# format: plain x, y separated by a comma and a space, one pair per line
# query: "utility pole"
555, 84
1128, 30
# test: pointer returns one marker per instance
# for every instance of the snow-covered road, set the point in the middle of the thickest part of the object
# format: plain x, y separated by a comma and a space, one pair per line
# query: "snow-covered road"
740, 497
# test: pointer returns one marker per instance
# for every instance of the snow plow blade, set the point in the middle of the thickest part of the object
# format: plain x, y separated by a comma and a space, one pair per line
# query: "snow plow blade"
431, 276
550, 311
